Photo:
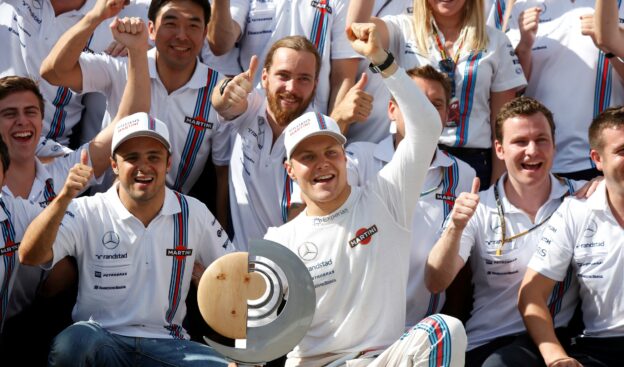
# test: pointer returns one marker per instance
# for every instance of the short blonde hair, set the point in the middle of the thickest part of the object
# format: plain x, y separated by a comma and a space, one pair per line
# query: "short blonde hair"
474, 22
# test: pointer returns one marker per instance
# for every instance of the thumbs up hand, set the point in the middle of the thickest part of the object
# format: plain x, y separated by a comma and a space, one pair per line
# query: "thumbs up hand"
465, 206
356, 106
230, 98
78, 177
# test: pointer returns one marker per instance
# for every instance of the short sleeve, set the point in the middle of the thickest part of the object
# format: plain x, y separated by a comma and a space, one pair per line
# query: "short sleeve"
556, 247
508, 74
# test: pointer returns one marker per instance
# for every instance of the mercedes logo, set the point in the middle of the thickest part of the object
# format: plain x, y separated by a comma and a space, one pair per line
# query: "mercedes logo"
110, 240
307, 251
591, 229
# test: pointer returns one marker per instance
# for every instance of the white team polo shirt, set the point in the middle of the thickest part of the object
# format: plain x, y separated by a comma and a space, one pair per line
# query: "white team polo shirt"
376, 127
15, 216
495, 13
192, 122
585, 234
31, 30
446, 178
494, 69
565, 60
359, 258
497, 279
261, 192
134, 279
323, 22
225, 64
49, 180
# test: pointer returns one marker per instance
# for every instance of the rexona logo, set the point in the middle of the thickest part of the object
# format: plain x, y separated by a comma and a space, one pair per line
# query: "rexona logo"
363, 236
179, 252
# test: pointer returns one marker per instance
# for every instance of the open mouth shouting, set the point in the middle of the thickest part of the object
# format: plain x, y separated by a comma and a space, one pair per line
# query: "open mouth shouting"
531, 166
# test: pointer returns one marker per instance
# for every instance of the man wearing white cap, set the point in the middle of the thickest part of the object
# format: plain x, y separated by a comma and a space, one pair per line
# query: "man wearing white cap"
135, 246
21, 123
355, 241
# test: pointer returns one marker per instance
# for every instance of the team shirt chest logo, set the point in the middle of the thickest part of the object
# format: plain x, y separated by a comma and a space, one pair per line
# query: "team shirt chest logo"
9, 249
198, 122
307, 251
363, 236
322, 5
179, 252
110, 240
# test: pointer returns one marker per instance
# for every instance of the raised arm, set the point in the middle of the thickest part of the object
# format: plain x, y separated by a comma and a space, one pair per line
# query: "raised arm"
36, 245
223, 31
61, 66
360, 11
609, 34
230, 98
528, 22
132, 33
589, 28
401, 179
444, 261
532, 303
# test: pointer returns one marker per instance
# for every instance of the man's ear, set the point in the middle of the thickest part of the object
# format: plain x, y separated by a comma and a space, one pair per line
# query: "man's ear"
290, 171
169, 160
114, 166
595, 156
151, 31
264, 77
498, 148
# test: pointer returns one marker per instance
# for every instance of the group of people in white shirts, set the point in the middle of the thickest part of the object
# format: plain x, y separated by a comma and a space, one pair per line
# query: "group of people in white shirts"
368, 144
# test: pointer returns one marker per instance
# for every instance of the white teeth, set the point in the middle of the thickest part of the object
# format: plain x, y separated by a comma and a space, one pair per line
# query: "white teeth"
326, 177
143, 179
23, 135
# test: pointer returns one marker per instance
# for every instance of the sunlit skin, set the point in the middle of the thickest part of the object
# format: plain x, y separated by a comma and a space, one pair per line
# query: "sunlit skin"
20, 125
141, 165
319, 166
289, 85
447, 9
610, 160
528, 149
178, 34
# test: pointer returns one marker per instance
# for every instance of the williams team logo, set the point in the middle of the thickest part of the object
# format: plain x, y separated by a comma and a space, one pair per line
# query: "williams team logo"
110, 240
363, 236
307, 251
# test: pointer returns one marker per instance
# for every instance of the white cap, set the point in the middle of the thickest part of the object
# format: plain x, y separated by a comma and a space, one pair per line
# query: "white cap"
307, 125
140, 124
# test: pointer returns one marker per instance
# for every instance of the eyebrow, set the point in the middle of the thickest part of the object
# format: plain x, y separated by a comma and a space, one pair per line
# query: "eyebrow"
194, 18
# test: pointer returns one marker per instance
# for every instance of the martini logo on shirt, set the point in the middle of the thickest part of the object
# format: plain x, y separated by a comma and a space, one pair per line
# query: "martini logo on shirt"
198, 122
179, 252
321, 4
9, 250
363, 236
450, 198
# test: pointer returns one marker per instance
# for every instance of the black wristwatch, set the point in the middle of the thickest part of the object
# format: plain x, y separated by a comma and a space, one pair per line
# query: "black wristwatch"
384, 65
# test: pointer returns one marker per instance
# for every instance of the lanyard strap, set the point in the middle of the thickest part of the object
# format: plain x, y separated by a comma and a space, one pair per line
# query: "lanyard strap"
442, 49
501, 216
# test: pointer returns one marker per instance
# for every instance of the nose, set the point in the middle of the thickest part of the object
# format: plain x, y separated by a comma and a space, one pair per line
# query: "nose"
531, 148
182, 33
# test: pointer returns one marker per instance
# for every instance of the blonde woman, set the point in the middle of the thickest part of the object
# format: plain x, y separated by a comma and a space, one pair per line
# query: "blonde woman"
452, 37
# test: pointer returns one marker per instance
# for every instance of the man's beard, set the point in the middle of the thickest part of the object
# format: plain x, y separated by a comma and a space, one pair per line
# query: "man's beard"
284, 117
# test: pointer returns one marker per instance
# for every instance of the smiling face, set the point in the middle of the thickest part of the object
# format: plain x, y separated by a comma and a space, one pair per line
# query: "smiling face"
609, 158
527, 148
178, 33
141, 164
447, 8
319, 166
20, 124
289, 84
